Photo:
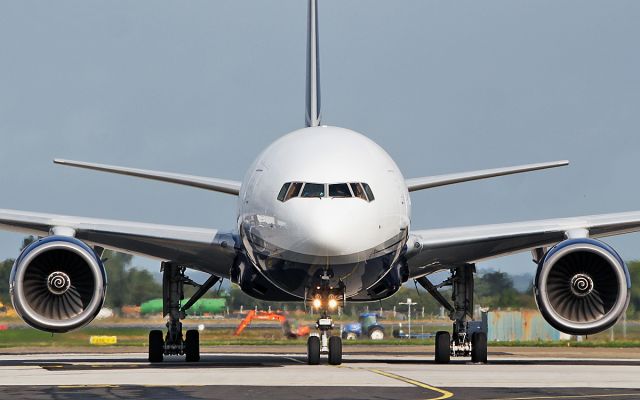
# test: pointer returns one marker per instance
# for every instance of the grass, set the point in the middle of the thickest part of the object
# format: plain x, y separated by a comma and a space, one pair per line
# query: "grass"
257, 335
137, 337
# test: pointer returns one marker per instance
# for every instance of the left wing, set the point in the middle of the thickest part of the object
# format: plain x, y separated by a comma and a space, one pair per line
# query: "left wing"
435, 249
428, 182
207, 250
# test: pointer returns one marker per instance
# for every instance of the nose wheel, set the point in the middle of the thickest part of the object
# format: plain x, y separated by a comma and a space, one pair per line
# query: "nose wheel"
325, 297
313, 350
335, 350
324, 344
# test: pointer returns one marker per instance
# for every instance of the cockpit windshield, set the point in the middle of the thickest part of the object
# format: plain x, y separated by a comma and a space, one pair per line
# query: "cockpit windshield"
339, 190
313, 190
294, 190
357, 190
319, 190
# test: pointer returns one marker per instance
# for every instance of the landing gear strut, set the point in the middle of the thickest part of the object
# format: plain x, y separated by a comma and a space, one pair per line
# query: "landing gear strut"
173, 281
325, 298
469, 337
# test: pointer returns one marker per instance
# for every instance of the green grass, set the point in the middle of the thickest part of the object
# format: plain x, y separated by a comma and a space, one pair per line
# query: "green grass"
259, 336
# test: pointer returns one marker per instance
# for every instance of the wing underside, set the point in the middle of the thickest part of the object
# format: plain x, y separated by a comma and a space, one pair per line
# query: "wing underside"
207, 250
435, 249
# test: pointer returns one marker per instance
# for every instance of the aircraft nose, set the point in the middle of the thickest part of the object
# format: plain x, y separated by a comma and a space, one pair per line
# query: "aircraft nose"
329, 230
326, 235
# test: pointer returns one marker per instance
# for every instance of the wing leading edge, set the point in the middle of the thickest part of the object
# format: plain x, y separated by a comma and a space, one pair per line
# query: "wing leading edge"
428, 182
207, 250
435, 249
202, 182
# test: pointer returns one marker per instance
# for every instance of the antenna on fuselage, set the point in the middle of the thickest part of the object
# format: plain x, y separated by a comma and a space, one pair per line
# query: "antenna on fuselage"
313, 70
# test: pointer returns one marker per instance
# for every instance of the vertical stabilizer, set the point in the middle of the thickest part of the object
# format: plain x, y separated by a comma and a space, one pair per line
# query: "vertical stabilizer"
313, 70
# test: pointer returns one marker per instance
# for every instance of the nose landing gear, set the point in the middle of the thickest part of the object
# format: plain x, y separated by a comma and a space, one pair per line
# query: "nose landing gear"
325, 298
324, 343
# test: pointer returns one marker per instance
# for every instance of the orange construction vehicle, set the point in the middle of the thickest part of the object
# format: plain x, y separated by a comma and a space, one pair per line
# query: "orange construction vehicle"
289, 328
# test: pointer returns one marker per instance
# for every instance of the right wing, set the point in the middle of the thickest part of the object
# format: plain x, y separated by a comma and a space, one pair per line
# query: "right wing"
202, 182
207, 250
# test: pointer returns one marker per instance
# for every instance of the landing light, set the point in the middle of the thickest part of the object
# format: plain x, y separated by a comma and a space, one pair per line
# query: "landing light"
333, 303
317, 303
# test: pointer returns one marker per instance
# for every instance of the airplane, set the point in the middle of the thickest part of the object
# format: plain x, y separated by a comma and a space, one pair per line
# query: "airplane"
324, 218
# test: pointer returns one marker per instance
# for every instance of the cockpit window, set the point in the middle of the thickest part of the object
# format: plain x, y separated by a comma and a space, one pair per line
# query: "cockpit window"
313, 190
339, 190
336, 190
283, 191
368, 191
294, 190
357, 190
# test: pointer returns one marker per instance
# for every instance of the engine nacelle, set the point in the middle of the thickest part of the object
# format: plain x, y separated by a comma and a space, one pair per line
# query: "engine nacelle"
58, 284
582, 286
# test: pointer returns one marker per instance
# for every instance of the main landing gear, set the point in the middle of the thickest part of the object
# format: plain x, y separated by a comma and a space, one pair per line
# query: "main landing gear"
173, 281
324, 299
469, 337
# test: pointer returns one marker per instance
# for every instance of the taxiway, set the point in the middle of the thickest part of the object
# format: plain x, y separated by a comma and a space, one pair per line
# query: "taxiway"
364, 375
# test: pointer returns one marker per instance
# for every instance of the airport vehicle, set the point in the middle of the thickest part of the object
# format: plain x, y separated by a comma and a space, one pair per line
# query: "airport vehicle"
367, 326
290, 329
323, 217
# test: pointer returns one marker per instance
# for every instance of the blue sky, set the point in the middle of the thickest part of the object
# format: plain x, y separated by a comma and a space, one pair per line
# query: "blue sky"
202, 86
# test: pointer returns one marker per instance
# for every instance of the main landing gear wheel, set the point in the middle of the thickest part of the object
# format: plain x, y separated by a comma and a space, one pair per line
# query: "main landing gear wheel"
479, 347
313, 350
443, 347
192, 346
156, 346
335, 350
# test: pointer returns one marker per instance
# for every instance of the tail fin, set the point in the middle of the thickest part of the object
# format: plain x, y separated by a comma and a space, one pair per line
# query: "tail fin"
313, 70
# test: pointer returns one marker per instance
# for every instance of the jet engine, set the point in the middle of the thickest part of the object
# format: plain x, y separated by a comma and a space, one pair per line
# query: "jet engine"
582, 286
58, 284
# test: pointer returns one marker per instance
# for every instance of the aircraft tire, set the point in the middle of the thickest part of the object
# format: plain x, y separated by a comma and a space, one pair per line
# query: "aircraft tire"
479, 347
192, 346
443, 349
313, 350
156, 346
335, 350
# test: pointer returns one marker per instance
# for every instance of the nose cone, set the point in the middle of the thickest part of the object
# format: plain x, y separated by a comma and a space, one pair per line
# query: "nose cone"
326, 235
335, 227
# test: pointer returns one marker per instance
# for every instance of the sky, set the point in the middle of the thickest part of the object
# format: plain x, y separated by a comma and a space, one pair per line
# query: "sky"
201, 87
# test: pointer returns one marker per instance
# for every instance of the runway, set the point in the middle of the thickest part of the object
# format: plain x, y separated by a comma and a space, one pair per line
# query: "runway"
286, 376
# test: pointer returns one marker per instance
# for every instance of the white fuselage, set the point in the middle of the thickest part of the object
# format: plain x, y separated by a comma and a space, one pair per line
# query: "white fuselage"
291, 242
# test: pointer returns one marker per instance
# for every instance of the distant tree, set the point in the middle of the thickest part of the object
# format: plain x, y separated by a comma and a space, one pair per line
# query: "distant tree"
27, 241
127, 285
141, 286
495, 290
5, 271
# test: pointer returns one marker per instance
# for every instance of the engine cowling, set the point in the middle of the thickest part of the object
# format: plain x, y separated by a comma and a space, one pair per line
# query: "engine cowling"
582, 286
58, 284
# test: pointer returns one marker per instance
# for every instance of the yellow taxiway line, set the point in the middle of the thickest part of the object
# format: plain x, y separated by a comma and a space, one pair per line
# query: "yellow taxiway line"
444, 394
